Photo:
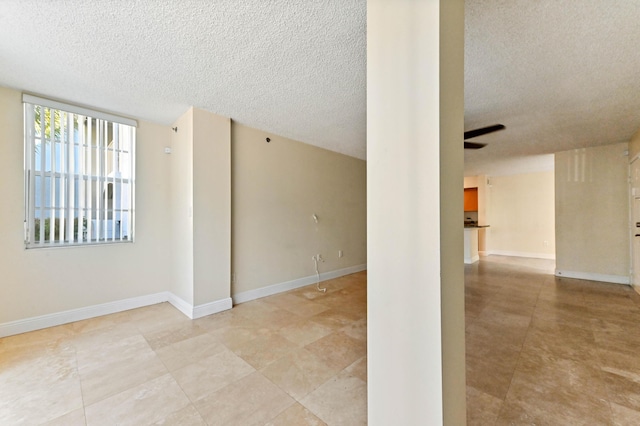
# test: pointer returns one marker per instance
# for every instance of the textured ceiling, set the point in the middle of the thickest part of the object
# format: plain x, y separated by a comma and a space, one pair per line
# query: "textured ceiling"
559, 75
296, 69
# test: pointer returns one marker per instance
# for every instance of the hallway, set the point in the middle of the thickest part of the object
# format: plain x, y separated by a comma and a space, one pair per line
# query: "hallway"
545, 350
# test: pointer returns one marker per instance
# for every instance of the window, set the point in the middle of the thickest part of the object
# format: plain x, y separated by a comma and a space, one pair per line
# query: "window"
79, 175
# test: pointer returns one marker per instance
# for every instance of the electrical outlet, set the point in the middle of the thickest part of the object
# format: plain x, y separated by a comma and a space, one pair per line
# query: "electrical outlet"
546, 243
340, 254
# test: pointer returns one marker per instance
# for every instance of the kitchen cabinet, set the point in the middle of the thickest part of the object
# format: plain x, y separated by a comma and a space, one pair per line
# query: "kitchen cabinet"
471, 199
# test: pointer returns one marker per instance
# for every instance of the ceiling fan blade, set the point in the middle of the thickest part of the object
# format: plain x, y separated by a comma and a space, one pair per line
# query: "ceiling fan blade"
473, 145
483, 131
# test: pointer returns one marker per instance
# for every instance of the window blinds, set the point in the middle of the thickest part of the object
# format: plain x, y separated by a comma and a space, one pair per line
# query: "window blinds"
79, 175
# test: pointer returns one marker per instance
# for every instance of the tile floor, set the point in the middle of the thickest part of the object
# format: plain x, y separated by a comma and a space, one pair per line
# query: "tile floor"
540, 350
548, 351
297, 358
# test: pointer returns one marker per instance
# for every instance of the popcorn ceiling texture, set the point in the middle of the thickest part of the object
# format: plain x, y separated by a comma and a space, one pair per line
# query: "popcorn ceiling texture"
559, 74
294, 68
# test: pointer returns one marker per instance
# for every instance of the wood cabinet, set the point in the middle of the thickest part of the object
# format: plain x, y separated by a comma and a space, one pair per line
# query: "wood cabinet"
471, 199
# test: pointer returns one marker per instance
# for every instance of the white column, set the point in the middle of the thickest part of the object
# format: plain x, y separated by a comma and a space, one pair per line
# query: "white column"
415, 212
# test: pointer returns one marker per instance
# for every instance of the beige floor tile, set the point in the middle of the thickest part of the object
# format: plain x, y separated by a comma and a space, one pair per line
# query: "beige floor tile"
492, 374
357, 329
211, 374
231, 328
296, 415
296, 304
553, 340
189, 351
623, 416
619, 334
100, 323
73, 418
156, 317
338, 349
481, 335
107, 373
343, 304
566, 411
40, 387
623, 390
278, 319
52, 337
172, 334
505, 320
224, 320
311, 292
252, 400
110, 339
563, 314
187, 416
537, 372
299, 372
304, 332
265, 349
358, 369
145, 366
482, 408
340, 401
235, 337
556, 391
147, 403
254, 310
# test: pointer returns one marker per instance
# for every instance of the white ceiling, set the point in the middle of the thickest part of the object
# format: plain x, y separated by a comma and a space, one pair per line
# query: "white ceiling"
559, 75
293, 68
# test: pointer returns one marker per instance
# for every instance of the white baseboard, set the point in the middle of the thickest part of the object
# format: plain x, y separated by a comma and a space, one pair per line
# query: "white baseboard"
65, 317
521, 254
211, 308
180, 304
615, 279
473, 259
59, 318
258, 293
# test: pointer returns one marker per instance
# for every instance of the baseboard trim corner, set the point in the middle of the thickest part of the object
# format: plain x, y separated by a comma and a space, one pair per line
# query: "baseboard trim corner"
211, 308
199, 311
59, 318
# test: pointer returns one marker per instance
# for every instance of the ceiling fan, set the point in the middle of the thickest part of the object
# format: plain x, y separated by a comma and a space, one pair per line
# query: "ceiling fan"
479, 132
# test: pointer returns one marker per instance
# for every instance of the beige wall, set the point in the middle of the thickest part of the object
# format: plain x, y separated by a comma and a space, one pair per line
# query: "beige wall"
181, 207
592, 213
201, 207
183, 220
277, 187
451, 55
522, 217
415, 343
43, 281
212, 207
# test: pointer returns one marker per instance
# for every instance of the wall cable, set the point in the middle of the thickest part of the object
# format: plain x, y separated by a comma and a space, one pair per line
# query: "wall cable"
315, 262
317, 258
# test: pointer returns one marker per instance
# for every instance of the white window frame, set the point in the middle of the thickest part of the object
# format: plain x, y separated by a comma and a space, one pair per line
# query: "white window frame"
80, 172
